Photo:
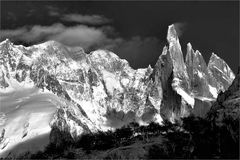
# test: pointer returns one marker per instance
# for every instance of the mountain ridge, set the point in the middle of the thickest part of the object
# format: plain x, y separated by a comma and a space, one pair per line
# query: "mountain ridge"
100, 91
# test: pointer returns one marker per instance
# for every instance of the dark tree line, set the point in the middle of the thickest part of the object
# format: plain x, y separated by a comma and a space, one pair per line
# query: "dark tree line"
193, 137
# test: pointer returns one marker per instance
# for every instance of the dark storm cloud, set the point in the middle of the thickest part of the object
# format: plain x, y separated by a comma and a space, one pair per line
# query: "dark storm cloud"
86, 19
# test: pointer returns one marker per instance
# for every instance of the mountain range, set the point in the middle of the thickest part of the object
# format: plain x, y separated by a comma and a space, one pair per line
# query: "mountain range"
52, 85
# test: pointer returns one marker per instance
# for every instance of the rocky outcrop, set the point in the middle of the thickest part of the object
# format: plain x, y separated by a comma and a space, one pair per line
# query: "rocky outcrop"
163, 75
228, 102
221, 72
198, 73
224, 117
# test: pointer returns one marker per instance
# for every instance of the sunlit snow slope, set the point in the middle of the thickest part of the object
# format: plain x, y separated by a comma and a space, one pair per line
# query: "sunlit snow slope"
25, 114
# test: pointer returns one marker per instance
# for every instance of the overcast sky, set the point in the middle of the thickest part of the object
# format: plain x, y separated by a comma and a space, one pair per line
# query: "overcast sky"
135, 31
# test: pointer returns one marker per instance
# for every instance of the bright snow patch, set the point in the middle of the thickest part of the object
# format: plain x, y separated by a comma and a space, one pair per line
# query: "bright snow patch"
189, 99
219, 70
125, 81
205, 98
74, 65
173, 117
15, 85
200, 74
27, 113
213, 91
157, 118
111, 81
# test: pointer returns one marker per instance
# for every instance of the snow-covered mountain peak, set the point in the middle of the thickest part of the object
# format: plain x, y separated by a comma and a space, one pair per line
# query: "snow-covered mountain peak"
198, 53
186, 83
213, 57
6, 41
103, 54
189, 46
193, 55
108, 60
6, 45
220, 69
172, 34
48, 43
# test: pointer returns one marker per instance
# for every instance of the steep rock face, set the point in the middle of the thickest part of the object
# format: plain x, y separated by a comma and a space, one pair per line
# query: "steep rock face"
207, 81
180, 77
228, 102
9, 60
97, 91
198, 73
225, 115
190, 86
221, 72
171, 101
172, 80
110, 86
171, 77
